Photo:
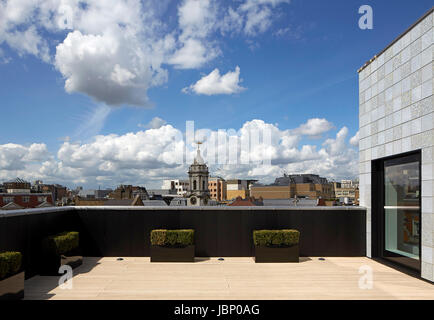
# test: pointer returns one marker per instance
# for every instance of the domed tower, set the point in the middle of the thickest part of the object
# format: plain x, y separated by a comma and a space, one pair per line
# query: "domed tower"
198, 175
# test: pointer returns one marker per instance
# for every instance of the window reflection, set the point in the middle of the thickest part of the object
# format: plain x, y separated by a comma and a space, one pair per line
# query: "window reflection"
402, 211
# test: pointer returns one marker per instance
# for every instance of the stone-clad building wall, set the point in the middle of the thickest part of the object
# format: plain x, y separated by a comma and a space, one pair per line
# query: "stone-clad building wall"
396, 116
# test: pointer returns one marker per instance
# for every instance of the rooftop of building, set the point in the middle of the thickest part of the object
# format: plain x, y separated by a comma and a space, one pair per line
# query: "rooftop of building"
250, 201
215, 178
286, 180
150, 203
135, 278
24, 194
367, 63
336, 233
237, 181
86, 192
301, 202
168, 192
175, 202
17, 180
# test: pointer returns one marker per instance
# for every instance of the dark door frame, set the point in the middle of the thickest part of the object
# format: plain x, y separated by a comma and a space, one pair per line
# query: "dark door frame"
377, 214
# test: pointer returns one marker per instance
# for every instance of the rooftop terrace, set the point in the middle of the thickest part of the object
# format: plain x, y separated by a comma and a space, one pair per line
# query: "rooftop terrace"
233, 278
337, 233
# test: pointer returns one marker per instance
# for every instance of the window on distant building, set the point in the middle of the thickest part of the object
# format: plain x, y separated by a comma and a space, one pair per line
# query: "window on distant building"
8, 199
26, 199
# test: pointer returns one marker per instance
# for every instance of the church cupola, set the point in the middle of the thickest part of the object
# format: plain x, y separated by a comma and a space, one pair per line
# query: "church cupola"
198, 175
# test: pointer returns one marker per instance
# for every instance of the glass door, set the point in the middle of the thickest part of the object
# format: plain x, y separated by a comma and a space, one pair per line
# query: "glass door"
402, 210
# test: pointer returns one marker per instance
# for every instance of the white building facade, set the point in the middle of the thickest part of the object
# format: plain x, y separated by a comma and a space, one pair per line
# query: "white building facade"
181, 186
396, 150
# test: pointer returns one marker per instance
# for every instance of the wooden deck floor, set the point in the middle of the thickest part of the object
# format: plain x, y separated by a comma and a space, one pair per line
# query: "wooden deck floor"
233, 278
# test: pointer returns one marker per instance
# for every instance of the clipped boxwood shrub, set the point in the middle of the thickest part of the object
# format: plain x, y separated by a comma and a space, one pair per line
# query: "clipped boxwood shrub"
276, 238
62, 243
172, 238
10, 263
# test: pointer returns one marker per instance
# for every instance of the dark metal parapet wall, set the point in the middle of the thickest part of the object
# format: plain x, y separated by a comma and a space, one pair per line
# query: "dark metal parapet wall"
223, 231
218, 232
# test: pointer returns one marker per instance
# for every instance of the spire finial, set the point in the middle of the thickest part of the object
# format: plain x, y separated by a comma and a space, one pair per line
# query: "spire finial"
198, 159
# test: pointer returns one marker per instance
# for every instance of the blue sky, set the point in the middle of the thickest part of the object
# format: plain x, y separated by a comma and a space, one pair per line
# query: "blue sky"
298, 62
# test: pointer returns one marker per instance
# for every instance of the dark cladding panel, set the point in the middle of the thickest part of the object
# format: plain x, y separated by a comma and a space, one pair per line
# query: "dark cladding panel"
205, 228
301, 221
92, 232
138, 244
230, 238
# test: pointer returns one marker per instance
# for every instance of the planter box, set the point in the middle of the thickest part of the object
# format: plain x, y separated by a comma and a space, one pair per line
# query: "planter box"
50, 263
276, 254
169, 254
12, 288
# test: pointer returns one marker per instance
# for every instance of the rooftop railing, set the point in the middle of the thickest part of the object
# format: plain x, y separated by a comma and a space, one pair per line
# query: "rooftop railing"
219, 231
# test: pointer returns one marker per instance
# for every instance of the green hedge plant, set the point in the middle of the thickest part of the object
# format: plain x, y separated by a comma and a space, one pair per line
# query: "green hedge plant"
172, 238
10, 263
276, 238
62, 243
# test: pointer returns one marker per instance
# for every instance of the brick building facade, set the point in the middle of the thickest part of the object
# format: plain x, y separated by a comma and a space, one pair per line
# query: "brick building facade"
25, 200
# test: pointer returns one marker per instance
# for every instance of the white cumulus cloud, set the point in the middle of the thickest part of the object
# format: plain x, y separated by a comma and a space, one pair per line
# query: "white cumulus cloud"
314, 127
354, 141
215, 83
112, 50
155, 123
197, 21
101, 67
193, 54
15, 156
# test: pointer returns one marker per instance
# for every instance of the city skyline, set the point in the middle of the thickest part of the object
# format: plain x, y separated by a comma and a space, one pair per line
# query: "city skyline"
213, 67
